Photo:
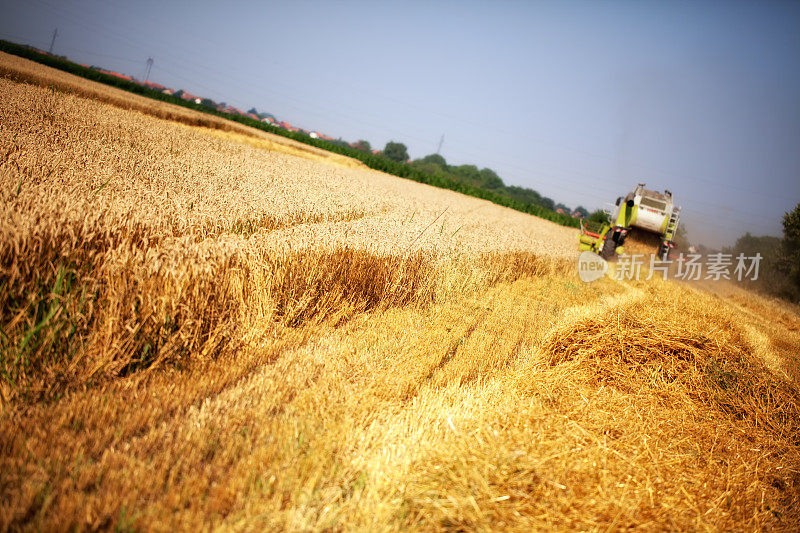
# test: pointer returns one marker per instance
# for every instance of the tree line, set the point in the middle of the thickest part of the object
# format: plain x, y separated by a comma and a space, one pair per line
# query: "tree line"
487, 179
779, 271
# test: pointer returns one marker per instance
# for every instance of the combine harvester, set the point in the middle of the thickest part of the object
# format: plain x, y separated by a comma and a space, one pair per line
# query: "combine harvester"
647, 210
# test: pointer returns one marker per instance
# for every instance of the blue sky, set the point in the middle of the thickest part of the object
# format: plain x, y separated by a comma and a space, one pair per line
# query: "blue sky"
579, 100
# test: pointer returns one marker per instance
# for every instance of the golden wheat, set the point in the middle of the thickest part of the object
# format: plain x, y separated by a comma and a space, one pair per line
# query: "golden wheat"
23, 70
201, 332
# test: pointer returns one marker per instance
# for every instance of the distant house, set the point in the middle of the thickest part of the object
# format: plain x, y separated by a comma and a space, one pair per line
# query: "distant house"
118, 75
314, 135
153, 85
168, 92
285, 125
560, 211
189, 97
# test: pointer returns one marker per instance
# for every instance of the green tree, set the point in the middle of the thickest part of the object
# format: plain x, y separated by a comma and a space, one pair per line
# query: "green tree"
750, 245
582, 211
340, 142
434, 159
524, 195
681, 238
467, 174
789, 254
488, 179
598, 215
773, 278
396, 151
363, 146
207, 102
432, 164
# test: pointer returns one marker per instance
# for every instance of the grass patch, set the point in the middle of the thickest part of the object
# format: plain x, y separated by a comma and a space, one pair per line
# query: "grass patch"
41, 325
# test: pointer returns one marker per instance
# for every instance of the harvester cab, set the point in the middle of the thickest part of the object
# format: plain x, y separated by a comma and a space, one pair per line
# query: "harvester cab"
647, 210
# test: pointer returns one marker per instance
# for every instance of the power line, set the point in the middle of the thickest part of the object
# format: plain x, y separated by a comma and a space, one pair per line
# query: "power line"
99, 54
20, 39
328, 113
583, 187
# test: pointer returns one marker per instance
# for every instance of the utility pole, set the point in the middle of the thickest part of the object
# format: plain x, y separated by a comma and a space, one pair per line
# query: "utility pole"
53, 41
440, 144
149, 66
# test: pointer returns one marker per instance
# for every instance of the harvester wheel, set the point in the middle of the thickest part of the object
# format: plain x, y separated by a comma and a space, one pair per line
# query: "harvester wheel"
663, 252
609, 247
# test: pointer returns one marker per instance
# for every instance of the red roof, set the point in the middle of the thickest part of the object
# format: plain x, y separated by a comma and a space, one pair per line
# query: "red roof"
153, 85
118, 75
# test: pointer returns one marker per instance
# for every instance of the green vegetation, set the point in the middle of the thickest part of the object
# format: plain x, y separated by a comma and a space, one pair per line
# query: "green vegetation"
486, 178
582, 211
46, 320
396, 152
363, 146
779, 270
789, 253
598, 216
681, 237
465, 181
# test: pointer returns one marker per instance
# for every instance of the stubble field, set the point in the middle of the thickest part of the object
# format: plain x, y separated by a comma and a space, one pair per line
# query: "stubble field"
204, 328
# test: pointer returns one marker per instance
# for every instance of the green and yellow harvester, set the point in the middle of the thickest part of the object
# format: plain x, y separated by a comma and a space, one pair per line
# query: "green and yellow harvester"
647, 210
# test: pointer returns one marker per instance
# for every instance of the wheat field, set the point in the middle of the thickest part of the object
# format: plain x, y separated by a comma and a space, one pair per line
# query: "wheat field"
206, 329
